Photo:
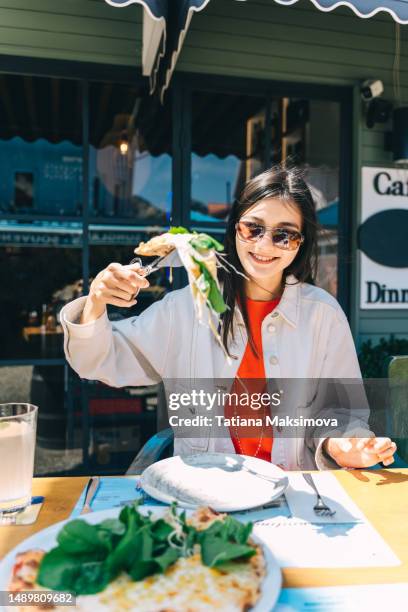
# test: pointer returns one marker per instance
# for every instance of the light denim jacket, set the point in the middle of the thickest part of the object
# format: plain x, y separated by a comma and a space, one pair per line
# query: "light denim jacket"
307, 337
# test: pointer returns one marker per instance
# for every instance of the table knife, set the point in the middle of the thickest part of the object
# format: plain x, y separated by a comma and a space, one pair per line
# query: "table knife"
91, 489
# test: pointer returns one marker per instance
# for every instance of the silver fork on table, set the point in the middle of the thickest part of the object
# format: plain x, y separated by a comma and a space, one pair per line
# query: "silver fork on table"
320, 508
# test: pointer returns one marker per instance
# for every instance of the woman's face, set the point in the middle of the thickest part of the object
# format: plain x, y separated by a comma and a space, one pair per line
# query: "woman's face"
270, 212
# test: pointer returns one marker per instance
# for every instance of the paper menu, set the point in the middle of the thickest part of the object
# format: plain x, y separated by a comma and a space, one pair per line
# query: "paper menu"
298, 544
301, 499
115, 492
294, 542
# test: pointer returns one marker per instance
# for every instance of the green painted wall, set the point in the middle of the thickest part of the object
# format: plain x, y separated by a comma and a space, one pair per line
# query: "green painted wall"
257, 38
79, 30
265, 40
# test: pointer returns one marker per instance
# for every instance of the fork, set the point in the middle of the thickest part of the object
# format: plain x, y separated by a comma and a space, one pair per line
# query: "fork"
169, 260
152, 267
320, 508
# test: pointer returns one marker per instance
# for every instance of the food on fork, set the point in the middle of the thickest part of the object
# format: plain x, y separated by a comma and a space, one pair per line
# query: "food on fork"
143, 564
155, 247
201, 255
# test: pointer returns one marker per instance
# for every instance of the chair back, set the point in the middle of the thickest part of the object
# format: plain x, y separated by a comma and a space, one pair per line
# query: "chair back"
398, 388
158, 446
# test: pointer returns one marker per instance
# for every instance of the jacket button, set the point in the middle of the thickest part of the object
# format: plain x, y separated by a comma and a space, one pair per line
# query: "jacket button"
275, 314
273, 360
271, 328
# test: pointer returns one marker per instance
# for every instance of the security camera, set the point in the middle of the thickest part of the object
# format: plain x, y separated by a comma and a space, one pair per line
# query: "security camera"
371, 89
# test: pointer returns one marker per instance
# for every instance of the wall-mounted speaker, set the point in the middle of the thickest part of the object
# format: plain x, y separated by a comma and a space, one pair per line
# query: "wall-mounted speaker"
400, 134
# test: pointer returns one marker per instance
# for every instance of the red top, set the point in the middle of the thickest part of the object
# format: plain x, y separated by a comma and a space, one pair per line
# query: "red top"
252, 367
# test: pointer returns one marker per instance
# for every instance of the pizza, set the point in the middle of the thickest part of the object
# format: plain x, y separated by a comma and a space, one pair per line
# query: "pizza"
187, 585
200, 255
156, 247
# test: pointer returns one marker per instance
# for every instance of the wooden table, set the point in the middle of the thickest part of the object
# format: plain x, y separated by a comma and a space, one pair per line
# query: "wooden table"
382, 495
35, 330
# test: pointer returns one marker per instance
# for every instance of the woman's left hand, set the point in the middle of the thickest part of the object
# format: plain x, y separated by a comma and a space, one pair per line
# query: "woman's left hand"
360, 452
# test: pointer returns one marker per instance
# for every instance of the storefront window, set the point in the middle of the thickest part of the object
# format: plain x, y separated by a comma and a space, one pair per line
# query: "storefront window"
45, 253
307, 126
102, 255
130, 154
39, 282
40, 146
47, 388
238, 136
228, 148
121, 422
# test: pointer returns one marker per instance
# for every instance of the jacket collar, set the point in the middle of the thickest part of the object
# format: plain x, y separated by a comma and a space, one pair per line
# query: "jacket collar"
289, 304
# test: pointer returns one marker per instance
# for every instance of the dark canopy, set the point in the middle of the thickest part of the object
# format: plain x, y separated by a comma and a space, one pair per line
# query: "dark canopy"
165, 25
364, 8
166, 22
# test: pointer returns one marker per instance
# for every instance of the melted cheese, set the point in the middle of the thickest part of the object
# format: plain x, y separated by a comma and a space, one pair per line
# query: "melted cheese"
186, 586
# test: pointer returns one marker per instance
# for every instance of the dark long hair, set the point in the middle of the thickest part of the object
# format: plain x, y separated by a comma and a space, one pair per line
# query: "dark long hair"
284, 183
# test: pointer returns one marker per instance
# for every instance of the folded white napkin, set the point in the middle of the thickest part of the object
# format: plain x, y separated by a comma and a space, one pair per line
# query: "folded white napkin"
301, 498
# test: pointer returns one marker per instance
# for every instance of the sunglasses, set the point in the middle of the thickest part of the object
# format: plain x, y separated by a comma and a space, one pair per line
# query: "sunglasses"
286, 239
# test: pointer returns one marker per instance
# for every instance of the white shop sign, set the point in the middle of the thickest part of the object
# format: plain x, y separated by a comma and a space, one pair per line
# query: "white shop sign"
383, 287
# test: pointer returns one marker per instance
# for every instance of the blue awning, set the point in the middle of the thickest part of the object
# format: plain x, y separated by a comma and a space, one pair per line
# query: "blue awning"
328, 216
157, 8
166, 22
155, 18
165, 25
398, 9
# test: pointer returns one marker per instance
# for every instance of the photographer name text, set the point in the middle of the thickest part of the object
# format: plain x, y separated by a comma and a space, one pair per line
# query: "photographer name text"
237, 421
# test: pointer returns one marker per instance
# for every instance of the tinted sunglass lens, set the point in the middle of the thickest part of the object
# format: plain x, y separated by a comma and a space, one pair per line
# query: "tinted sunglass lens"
286, 240
281, 239
295, 240
249, 231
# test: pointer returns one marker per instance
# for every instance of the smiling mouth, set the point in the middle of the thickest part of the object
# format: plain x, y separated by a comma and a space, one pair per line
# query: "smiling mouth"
261, 259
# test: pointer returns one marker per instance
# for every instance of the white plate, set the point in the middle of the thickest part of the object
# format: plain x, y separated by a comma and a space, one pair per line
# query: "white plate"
47, 539
224, 482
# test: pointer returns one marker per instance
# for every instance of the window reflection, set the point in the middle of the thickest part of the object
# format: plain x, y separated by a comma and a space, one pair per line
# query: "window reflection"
320, 157
40, 146
160, 282
121, 421
228, 148
45, 387
130, 154
39, 282
239, 135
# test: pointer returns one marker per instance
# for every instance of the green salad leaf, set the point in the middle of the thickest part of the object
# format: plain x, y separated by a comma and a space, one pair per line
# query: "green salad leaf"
80, 537
225, 541
214, 296
82, 574
205, 242
114, 526
207, 284
88, 557
199, 241
178, 230
215, 551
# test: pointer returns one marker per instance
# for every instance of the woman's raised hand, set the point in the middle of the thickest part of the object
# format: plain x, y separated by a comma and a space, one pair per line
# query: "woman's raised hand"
117, 285
361, 452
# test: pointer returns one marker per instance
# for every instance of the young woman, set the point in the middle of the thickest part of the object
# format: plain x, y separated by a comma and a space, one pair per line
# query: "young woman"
278, 326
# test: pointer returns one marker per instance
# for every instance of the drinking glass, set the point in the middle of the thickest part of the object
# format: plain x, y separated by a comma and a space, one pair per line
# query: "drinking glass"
18, 424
